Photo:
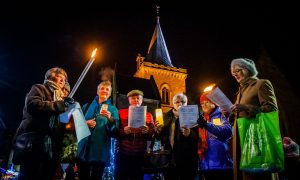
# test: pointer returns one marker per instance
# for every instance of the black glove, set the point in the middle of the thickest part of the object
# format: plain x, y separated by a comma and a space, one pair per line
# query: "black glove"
68, 101
202, 123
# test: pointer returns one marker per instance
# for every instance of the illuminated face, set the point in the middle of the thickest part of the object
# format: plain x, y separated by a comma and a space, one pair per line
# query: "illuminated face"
207, 106
179, 102
59, 79
135, 100
239, 73
104, 92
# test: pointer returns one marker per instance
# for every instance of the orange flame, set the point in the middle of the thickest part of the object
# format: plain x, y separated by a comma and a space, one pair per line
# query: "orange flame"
209, 88
94, 53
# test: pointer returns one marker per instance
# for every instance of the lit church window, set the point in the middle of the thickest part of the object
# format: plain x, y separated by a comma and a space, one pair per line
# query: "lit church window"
165, 96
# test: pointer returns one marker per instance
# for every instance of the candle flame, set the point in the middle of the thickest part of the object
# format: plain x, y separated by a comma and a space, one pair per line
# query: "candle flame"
94, 53
209, 88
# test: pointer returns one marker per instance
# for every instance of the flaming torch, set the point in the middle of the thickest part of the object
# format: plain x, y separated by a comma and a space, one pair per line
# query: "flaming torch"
86, 69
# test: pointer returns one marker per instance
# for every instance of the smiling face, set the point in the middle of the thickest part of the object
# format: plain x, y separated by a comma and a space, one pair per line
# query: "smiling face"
239, 73
207, 106
104, 92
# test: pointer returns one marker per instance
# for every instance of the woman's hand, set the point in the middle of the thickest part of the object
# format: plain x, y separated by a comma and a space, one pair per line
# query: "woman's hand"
225, 113
238, 108
185, 131
91, 123
107, 114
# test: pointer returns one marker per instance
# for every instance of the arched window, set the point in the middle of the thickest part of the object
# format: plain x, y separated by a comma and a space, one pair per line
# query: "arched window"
165, 96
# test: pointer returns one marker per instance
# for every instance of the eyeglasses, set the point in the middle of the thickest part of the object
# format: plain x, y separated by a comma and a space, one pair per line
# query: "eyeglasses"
236, 71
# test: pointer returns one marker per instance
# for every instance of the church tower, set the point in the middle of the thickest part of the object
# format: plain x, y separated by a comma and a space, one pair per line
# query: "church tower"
169, 80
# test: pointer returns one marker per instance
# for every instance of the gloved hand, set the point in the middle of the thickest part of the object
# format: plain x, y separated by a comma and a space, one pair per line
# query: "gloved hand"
68, 101
202, 123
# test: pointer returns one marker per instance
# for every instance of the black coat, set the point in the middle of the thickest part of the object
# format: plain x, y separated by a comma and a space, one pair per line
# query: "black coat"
184, 151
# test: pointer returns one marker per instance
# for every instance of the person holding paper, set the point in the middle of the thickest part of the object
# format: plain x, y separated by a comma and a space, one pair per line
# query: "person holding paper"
181, 142
254, 96
214, 135
43, 103
102, 119
133, 141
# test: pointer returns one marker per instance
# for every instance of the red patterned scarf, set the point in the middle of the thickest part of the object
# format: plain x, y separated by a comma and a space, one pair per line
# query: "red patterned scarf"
202, 143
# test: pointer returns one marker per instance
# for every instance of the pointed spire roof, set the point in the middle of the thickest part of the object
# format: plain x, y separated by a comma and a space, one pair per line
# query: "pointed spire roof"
158, 51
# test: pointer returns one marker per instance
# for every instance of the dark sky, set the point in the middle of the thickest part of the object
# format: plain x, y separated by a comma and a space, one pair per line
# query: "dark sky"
202, 38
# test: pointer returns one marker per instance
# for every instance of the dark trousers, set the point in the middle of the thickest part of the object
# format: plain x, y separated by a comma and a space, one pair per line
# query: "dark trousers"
36, 170
182, 171
129, 167
91, 171
216, 174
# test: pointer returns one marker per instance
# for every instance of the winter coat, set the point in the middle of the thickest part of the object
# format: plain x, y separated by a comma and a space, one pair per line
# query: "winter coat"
217, 156
99, 143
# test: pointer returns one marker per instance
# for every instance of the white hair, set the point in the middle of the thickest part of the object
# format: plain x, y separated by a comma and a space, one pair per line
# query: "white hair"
180, 96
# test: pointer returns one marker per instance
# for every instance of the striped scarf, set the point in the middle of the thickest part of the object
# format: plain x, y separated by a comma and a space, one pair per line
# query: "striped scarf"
57, 91
57, 96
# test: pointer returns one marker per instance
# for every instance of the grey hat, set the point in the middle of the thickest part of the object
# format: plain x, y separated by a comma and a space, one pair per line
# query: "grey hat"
245, 63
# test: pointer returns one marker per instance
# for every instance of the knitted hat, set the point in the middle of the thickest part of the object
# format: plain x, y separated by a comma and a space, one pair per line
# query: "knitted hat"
135, 92
203, 97
245, 63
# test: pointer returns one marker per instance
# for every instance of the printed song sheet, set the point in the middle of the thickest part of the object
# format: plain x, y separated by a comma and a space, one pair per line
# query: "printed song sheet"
188, 116
137, 116
219, 98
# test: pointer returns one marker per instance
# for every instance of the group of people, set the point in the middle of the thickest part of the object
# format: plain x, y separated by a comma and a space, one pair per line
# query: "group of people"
203, 147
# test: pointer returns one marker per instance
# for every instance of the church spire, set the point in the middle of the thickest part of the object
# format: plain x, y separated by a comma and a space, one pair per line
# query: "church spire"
158, 51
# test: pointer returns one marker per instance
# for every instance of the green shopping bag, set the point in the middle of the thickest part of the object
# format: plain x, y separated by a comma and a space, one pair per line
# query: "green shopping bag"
261, 143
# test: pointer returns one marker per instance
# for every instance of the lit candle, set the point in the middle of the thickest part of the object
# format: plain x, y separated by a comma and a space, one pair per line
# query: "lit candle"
86, 69
159, 116
209, 88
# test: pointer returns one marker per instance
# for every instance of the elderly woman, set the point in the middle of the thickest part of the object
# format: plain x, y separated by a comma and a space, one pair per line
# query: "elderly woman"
181, 142
43, 103
214, 135
254, 96
103, 120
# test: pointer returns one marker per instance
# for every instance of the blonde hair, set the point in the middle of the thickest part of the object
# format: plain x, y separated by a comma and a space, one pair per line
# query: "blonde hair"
105, 83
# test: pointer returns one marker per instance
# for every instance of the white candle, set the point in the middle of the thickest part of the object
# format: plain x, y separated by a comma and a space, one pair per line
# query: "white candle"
86, 69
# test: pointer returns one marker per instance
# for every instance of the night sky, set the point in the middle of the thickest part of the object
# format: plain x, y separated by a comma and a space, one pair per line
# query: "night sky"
203, 38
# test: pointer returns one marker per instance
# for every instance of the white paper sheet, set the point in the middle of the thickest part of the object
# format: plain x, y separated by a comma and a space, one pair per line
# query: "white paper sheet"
81, 128
137, 116
219, 98
188, 116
